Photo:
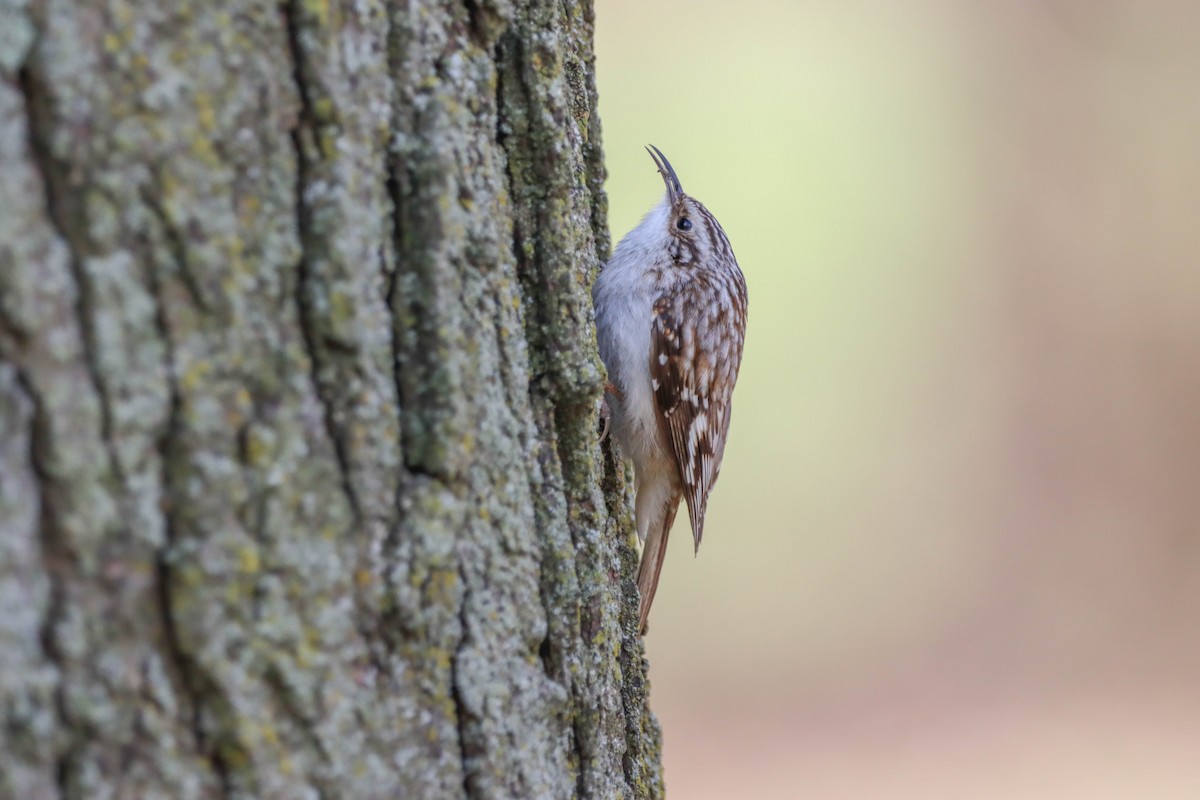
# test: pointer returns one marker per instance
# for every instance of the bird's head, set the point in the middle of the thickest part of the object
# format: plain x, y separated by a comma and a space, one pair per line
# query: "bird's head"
682, 225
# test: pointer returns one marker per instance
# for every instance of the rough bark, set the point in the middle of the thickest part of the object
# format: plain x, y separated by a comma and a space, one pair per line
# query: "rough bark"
300, 488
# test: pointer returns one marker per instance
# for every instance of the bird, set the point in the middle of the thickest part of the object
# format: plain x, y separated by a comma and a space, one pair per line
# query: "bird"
670, 309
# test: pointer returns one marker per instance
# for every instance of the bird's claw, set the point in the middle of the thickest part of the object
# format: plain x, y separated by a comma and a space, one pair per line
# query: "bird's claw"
605, 418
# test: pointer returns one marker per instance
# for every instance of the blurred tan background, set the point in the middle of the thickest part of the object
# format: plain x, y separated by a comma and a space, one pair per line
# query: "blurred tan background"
955, 548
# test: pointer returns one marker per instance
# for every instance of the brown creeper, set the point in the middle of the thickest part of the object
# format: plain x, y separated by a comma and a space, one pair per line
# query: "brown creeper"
670, 321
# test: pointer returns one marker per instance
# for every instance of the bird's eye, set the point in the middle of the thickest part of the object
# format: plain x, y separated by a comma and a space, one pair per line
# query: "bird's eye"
684, 224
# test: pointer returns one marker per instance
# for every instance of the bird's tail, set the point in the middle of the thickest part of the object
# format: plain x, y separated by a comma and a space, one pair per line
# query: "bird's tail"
653, 553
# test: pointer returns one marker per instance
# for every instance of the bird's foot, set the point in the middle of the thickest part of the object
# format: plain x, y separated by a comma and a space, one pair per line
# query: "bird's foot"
605, 418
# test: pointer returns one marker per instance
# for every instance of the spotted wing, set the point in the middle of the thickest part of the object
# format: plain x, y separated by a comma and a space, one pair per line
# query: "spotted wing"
695, 353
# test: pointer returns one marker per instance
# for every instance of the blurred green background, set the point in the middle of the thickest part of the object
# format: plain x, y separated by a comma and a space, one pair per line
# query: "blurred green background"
955, 547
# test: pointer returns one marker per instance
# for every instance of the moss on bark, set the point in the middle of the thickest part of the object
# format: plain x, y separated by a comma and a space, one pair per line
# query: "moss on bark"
300, 488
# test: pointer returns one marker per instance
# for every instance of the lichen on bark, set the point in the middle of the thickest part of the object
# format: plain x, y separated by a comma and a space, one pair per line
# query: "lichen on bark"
300, 487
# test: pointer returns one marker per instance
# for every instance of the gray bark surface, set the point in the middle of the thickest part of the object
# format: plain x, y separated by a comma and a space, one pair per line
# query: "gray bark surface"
300, 488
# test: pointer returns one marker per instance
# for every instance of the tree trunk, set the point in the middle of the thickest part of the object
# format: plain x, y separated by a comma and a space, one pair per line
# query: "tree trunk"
300, 489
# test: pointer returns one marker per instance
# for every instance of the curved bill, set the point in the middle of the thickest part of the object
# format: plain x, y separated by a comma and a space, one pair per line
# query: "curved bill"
674, 189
